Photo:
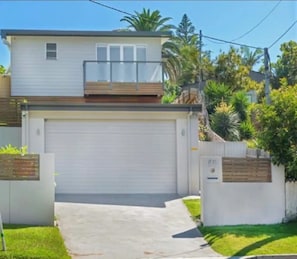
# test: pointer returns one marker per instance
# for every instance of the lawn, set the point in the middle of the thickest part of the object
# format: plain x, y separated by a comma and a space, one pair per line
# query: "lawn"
33, 242
193, 206
250, 239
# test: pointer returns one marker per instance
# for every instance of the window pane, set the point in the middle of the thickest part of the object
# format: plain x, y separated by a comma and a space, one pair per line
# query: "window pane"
128, 53
101, 53
115, 53
51, 50
142, 67
141, 53
50, 54
51, 46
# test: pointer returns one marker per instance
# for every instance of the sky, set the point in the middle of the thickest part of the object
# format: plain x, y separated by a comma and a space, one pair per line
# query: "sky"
221, 19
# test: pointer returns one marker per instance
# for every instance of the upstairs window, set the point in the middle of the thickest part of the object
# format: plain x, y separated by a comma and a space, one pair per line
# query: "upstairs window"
51, 50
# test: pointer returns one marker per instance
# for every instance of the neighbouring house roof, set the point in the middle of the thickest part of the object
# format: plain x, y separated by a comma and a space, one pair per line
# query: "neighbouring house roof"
257, 76
21, 32
111, 107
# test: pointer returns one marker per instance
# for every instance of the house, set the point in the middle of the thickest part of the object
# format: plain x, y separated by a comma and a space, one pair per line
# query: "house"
86, 66
93, 99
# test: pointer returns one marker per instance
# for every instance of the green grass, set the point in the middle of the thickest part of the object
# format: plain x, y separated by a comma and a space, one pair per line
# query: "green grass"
193, 206
33, 242
250, 239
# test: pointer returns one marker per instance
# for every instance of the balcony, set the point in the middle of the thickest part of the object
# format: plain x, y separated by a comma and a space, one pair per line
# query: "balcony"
123, 78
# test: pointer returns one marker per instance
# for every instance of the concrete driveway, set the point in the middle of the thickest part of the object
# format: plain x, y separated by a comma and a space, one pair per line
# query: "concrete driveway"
128, 226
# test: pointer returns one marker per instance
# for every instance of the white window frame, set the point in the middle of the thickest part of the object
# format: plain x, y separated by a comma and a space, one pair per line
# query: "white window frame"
135, 46
51, 51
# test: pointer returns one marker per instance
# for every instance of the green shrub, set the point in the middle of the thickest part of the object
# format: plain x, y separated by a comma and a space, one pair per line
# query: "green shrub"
215, 93
246, 130
225, 122
9, 149
240, 103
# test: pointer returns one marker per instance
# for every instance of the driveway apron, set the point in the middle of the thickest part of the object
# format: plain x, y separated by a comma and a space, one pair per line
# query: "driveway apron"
128, 226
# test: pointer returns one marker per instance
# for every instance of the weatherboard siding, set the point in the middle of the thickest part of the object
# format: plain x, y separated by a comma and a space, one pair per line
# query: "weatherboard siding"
34, 75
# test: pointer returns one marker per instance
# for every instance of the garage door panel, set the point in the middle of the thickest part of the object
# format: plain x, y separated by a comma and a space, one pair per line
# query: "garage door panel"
113, 156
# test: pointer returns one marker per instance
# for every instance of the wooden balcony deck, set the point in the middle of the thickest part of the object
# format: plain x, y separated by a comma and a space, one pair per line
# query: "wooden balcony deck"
105, 88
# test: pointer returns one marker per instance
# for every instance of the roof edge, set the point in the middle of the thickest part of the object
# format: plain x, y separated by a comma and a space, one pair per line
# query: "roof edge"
110, 107
72, 33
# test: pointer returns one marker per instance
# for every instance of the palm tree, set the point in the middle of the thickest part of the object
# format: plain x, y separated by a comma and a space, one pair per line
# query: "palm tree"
147, 21
251, 58
153, 21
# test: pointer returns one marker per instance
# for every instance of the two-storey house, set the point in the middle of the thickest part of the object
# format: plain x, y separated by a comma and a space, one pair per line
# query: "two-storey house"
93, 99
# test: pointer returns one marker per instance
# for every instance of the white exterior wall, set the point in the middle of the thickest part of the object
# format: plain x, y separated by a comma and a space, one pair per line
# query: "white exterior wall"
226, 149
33, 75
186, 137
238, 203
291, 200
10, 135
30, 202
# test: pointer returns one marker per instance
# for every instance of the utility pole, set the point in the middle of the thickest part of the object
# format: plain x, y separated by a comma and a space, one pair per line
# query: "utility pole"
200, 59
267, 75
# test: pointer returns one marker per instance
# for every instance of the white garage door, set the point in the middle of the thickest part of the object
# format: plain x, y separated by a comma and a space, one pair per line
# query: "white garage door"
125, 156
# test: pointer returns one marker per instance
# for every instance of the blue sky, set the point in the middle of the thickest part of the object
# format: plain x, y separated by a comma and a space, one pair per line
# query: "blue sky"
220, 19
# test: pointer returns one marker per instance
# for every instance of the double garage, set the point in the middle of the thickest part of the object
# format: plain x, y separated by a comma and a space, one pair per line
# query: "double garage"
117, 149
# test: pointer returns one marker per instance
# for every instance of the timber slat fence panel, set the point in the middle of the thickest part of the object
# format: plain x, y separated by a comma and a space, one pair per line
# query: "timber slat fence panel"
10, 112
19, 167
246, 170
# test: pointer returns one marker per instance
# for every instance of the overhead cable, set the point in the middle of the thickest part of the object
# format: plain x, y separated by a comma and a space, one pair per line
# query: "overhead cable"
112, 8
259, 23
292, 25
207, 37
230, 42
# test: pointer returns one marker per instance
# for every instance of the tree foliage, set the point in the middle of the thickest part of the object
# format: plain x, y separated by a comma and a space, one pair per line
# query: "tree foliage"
215, 93
229, 69
250, 58
185, 33
153, 21
189, 61
240, 103
148, 21
2, 69
278, 133
171, 92
286, 65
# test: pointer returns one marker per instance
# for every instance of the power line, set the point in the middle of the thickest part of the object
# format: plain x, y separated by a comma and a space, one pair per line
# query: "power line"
112, 8
216, 42
259, 23
230, 42
207, 37
292, 25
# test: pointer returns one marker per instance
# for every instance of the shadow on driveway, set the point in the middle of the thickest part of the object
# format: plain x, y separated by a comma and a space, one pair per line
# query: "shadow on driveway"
142, 200
191, 233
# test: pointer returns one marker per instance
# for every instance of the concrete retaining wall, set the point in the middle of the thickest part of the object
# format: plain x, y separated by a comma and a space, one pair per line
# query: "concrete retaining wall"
30, 202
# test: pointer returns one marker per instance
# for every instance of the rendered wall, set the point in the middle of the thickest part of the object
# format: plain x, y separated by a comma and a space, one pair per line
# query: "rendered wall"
238, 203
291, 200
30, 202
187, 161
